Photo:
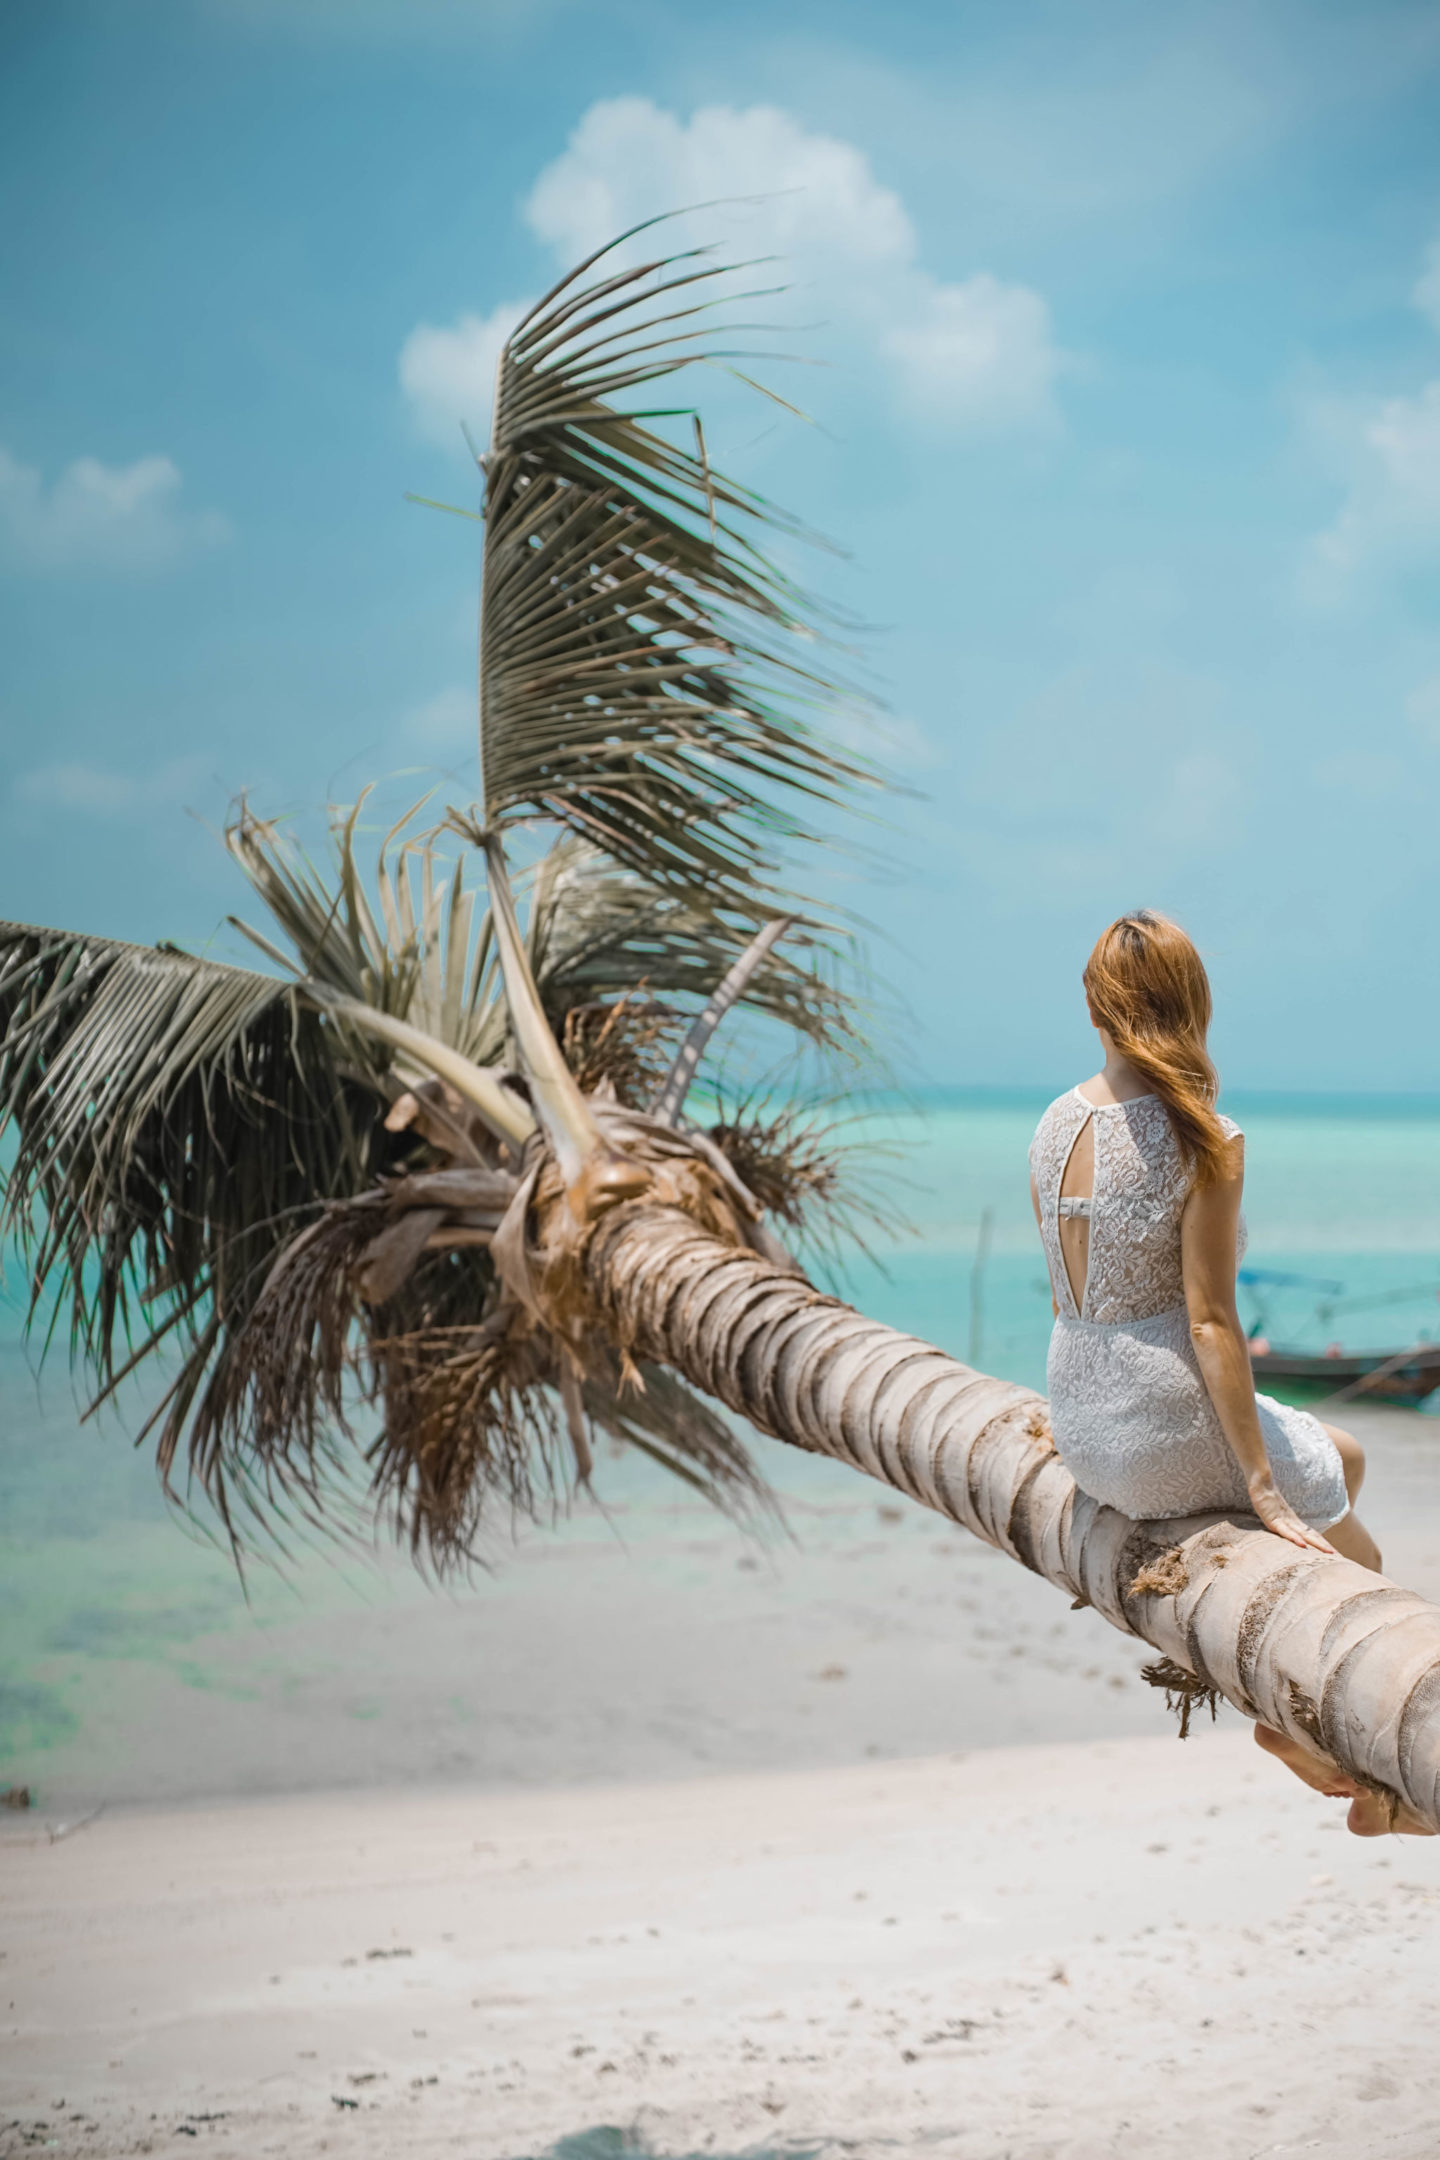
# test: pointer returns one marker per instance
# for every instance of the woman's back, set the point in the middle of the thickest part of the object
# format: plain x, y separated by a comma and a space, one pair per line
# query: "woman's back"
1131, 1415
1138, 1192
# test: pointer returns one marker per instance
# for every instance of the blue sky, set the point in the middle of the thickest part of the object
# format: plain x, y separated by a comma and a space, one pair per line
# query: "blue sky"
1130, 419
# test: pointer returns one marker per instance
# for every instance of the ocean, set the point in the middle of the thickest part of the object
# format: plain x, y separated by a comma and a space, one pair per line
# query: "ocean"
127, 1633
1342, 1192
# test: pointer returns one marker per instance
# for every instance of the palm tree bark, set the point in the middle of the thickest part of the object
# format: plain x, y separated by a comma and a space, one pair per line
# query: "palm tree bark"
1339, 1658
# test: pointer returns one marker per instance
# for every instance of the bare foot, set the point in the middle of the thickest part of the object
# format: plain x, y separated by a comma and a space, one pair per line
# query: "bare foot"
1372, 1814
1316, 1771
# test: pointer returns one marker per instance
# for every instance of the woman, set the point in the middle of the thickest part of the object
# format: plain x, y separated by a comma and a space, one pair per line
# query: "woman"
1136, 1181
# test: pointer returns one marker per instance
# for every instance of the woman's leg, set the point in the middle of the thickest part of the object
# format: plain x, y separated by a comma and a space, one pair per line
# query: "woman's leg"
1349, 1536
1371, 1815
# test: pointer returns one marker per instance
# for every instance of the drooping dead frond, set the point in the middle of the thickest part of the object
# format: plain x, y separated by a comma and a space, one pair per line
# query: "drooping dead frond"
468, 1418
474, 1420
284, 1383
647, 677
623, 1048
682, 1432
461, 1386
172, 1121
670, 1096
804, 1173
441, 1385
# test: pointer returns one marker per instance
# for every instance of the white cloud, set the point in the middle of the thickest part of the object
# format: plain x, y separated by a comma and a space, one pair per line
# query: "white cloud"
1392, 514
448, 376
977, 354
1390, 451
627, 160
1422, 710
125, 518
98, 792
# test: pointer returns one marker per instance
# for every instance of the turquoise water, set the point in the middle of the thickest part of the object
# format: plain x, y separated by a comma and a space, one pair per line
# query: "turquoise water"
107, 1606
1343, 1191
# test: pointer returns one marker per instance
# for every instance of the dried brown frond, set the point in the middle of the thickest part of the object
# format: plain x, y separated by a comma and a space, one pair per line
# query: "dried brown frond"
787, 1166
650, 1409
623, 1047
1185, 1691
464, 1352
806, 1176
459, 1375
279, 1395
468, 1417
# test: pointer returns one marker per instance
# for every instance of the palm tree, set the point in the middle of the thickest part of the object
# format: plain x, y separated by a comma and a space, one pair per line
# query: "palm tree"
437, 1168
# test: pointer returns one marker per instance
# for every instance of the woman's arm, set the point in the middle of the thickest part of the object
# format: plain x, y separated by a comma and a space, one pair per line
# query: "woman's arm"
1209, 1234
1035, 1203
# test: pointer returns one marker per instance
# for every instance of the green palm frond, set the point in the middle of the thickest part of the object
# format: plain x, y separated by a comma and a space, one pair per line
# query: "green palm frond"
598, 932
414, 943
647, 676
419, 950
409, 983
171, 1123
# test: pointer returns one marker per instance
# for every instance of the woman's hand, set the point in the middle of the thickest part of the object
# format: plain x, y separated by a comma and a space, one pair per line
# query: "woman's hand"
1209, 1239
1277, 1514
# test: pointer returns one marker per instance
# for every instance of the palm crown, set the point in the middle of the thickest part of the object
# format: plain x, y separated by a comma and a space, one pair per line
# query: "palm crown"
303, 1194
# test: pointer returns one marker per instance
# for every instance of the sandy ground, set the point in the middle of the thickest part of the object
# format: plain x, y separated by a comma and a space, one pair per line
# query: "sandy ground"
1114, 1948
655, 1844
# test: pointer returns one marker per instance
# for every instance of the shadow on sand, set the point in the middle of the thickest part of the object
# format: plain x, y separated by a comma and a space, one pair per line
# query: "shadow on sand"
606, 2142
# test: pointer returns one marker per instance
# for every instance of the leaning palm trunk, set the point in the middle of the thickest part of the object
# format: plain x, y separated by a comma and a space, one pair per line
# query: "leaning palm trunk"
1320, 1648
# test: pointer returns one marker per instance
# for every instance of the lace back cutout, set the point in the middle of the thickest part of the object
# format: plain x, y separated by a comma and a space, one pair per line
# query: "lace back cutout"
1077, 1185
1112, 1187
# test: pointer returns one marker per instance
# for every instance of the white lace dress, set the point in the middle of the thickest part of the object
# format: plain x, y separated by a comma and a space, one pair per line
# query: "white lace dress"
1132, 1417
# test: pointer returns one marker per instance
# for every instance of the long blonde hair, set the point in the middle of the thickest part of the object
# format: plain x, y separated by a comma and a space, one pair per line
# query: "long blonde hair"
1148, 989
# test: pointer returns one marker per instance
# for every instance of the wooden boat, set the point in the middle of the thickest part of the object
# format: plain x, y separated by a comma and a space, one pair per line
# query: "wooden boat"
1400, 1376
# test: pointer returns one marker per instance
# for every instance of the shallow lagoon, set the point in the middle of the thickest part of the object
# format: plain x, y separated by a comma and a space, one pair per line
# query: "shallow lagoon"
123, 1628
1342, 1190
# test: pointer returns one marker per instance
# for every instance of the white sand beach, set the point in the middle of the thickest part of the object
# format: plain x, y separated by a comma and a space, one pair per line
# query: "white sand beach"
1045, 1953
723, 1855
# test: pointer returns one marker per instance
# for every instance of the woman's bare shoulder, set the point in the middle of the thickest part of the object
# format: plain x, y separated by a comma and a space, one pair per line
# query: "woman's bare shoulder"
1054, 1118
